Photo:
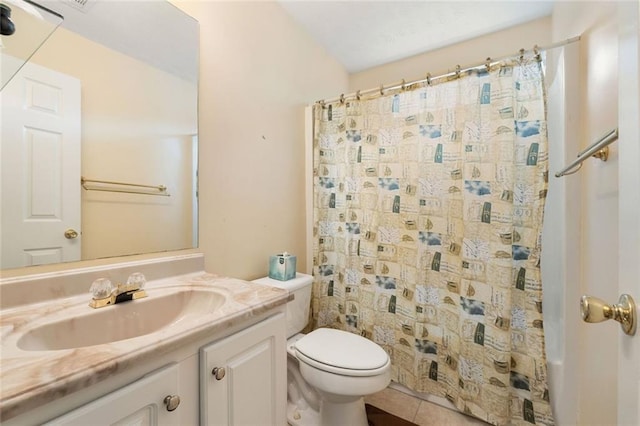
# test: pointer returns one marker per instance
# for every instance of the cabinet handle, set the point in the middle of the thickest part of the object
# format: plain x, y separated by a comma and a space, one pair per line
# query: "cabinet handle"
172, 402
218, 373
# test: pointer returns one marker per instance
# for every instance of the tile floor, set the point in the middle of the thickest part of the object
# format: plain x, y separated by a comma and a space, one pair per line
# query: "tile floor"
422, 413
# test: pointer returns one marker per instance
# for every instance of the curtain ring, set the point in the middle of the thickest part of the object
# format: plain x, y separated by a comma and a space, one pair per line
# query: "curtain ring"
321, 102
521, 54
457, 71
429, 79
342, 98
381, 90
402, 86
358, 95
536, 50
488, 63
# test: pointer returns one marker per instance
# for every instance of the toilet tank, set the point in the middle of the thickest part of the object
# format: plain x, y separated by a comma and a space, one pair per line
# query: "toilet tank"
298, 308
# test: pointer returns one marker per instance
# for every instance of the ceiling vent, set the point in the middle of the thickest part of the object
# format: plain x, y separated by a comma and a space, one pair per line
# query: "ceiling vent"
81, 5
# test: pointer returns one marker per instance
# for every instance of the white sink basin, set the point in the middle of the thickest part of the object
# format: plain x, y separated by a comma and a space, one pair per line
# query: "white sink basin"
122, 321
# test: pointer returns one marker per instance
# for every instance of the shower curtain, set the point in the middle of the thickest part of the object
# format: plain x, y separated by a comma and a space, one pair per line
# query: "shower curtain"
428, 205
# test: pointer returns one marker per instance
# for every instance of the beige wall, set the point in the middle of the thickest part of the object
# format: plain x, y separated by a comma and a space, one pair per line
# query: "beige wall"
258, 70
137, 126
471, 52
595, 200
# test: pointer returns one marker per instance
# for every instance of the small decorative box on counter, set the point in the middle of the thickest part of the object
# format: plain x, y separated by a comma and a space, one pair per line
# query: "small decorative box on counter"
282, 267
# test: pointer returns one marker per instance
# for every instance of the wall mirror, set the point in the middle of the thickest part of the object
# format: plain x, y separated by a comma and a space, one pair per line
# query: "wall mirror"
99, 133
17, 50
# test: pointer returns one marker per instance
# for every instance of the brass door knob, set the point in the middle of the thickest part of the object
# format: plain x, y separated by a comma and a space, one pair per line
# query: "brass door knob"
70, 234
596, 310
171, 402
218, 373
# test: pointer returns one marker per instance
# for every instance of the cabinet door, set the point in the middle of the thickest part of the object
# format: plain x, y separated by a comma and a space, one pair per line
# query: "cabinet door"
140, 403
253, 390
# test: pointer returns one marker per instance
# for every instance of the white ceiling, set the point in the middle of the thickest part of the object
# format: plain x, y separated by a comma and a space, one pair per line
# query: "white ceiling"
363, 34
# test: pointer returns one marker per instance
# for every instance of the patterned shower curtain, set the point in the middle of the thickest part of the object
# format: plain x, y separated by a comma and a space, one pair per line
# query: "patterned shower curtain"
428, 206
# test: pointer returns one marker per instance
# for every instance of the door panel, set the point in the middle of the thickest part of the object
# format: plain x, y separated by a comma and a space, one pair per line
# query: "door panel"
40, 168
629, 217
254, 363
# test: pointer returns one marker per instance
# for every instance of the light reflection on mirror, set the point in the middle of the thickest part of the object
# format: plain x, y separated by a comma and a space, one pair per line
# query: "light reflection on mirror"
116, 100
31, 25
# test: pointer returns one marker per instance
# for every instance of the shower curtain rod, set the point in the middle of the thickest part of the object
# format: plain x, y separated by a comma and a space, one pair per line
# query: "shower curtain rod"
430, 79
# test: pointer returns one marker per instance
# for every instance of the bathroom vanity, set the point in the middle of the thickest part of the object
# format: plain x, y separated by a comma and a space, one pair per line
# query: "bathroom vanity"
200, 349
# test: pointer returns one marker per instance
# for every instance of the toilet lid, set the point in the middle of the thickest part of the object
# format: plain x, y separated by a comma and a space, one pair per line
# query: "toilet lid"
341, 349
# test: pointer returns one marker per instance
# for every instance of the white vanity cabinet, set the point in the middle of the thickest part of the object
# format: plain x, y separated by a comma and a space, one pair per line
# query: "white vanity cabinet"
248, 387
146, 402
243, 377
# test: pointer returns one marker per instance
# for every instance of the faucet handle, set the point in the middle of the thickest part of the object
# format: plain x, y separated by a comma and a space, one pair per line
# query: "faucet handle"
102, 288
136, 281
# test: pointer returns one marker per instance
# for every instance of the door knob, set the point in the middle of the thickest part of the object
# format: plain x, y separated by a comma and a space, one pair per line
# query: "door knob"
596, 310
70, 234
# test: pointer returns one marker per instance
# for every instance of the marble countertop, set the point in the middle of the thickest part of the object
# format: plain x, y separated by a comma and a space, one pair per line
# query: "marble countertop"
31, 378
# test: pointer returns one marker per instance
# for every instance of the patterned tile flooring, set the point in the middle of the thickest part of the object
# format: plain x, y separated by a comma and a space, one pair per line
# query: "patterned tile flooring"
422, 413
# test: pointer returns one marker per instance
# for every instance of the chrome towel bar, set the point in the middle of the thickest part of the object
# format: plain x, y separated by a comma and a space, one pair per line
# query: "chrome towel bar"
134, 188
598, 149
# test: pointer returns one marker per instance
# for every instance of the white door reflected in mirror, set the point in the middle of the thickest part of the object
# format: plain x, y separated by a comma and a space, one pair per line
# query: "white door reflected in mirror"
40, 168
137, 123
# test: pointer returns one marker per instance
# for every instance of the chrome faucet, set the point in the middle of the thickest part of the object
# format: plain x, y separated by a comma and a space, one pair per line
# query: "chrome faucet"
105, 293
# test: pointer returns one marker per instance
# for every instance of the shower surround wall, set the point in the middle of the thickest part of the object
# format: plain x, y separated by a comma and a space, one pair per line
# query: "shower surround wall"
591, 203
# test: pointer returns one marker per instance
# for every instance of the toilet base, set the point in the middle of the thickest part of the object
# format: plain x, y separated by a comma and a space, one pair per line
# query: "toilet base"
303, 402
331, 413
348, 411
302, 416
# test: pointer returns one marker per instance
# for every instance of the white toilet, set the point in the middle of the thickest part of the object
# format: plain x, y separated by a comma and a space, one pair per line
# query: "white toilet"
328, 371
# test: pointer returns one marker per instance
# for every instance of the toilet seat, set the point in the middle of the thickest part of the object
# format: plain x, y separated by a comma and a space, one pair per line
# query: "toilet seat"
360, 357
